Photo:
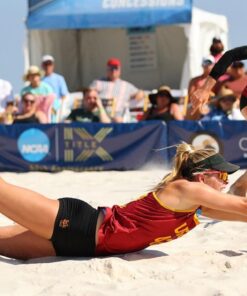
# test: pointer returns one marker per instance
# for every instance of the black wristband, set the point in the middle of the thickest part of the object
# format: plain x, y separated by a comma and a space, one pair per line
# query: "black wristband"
243, 102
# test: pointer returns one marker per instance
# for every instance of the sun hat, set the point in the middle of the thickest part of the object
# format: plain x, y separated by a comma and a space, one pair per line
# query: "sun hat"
163, 90
226, 94
32, 70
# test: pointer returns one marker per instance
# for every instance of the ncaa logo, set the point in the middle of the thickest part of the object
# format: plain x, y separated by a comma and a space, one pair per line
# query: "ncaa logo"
33, 145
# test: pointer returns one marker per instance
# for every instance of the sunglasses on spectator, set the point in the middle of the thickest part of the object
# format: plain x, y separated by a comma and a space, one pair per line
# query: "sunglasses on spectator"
113, 68
221, 175
92, 97
47, 63
26, 101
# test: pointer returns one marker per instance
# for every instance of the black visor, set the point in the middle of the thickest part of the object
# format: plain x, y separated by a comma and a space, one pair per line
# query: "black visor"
218, 163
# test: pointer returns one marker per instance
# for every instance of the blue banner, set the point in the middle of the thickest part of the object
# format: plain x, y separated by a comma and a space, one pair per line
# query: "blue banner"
97, 147
77, 14
81, 147
227, 137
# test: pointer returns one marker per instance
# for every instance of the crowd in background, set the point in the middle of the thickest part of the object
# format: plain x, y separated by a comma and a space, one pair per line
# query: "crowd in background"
45, 97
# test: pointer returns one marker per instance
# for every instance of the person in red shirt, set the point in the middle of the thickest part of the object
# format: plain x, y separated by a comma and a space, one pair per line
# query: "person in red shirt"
71, 227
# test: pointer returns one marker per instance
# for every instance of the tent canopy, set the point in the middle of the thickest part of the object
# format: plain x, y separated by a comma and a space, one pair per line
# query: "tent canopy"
151, 56
78, 14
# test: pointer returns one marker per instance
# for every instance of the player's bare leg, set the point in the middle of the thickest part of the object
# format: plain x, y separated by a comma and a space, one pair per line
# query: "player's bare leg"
32, 210
19, 243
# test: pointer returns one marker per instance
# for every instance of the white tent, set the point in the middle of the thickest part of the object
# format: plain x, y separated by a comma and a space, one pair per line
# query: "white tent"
152, 57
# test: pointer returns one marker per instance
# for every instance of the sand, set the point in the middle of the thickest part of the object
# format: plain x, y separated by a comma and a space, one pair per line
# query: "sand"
210, 260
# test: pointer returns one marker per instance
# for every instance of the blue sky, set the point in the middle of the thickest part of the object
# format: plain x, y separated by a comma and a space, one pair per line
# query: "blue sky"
235, 11
13, 33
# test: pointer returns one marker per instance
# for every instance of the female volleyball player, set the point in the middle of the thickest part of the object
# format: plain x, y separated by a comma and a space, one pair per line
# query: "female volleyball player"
71, 227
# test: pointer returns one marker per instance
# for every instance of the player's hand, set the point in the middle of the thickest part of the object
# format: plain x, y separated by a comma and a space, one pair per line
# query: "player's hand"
198, 99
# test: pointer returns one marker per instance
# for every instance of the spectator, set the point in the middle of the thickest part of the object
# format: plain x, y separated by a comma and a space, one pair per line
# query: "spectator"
163, 106
58, 84
114, 87
91, 110
237, 80
35, 86
200, 97
198, 81
29, 113
216, 49
6, 95
43, 91
224, 108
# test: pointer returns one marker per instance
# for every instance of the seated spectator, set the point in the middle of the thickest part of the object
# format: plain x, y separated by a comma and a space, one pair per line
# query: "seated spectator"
29, 112
91, 110
43, 91
224, 108
112, 86
58, 84
237, 80
163, 106
6, 97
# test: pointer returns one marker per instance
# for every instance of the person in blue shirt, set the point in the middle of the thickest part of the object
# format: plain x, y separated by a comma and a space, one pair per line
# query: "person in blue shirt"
224, 107
58, 84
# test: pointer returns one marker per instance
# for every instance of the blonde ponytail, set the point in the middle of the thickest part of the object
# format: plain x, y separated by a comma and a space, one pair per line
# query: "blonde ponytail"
185, 154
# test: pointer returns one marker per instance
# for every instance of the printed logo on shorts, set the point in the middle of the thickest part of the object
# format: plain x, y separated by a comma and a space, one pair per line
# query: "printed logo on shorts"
64, 223
33, 145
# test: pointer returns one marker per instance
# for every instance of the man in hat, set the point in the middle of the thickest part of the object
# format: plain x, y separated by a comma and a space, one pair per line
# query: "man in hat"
58, 84
196, 82
112, 87
56, 81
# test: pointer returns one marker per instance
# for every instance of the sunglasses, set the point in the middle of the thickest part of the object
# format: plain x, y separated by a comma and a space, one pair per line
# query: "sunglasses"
221, 175
28, 101
91, 98
113, 68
